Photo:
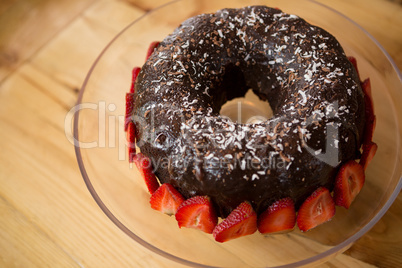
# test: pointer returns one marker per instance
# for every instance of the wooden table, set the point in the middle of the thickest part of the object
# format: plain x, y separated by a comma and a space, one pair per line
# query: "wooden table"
48, 217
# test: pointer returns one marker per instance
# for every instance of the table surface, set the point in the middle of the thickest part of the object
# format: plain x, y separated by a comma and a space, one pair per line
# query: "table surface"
48, 217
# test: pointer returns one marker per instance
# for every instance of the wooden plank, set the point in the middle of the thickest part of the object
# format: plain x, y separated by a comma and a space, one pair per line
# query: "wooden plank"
147, 5
382, 245
77, 47
23, 244
5, 5
27, 25
387, 34
112, 15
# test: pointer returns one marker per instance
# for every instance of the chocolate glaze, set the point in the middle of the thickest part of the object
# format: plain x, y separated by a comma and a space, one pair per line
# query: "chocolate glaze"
300, 69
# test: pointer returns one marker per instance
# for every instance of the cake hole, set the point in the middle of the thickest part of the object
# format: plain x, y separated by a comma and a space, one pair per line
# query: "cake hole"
247, 110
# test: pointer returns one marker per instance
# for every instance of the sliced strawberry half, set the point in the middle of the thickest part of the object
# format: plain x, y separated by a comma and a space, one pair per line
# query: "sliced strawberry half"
369, 130
279, 217
144, 165
130, 98
241, 221
197, 213
318, 208
129, 109
151, 48
166, 199
131, 141
135, 73
366, 86
369, 112
348, 183
354, 63
369, 151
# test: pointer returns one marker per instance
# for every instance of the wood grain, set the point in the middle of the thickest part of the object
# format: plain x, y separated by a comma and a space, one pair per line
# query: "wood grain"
382, 245
379, 26
28, 25
47, 216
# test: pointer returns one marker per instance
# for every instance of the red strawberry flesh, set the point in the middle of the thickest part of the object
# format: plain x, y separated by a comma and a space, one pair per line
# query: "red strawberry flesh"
369, 112
369, 150
366, 86
279, 217
144, 165
354, 63
131, 140
152, 48
197, 213
348, 183
129, 109
135, 73
318, 208
166, 199
241, 221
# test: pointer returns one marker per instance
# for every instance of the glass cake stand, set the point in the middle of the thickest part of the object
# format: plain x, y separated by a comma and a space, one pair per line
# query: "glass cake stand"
120, 192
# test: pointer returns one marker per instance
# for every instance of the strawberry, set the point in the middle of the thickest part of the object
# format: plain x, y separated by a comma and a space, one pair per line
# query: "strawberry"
369, 130
151, 48
241, 221
348, 183
280, 216
129, 109
130, 98
144, 165
366, 86
198, 213
369, 151
369, 112
318, 208
166, 199
354, 63
135, 73
131, 140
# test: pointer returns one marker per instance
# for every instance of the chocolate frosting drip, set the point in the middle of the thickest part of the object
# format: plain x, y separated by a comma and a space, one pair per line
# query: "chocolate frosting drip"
300, 69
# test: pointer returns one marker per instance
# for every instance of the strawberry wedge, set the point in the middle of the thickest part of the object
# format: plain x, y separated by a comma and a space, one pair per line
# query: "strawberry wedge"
366, 86
144, 165
354, 63
129, 110
197, 213
152, 48
369, 151
241, 221
130, 98
348, 183
279, 217
131, 141
135, 73
369, 112
318, 208
166, 199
